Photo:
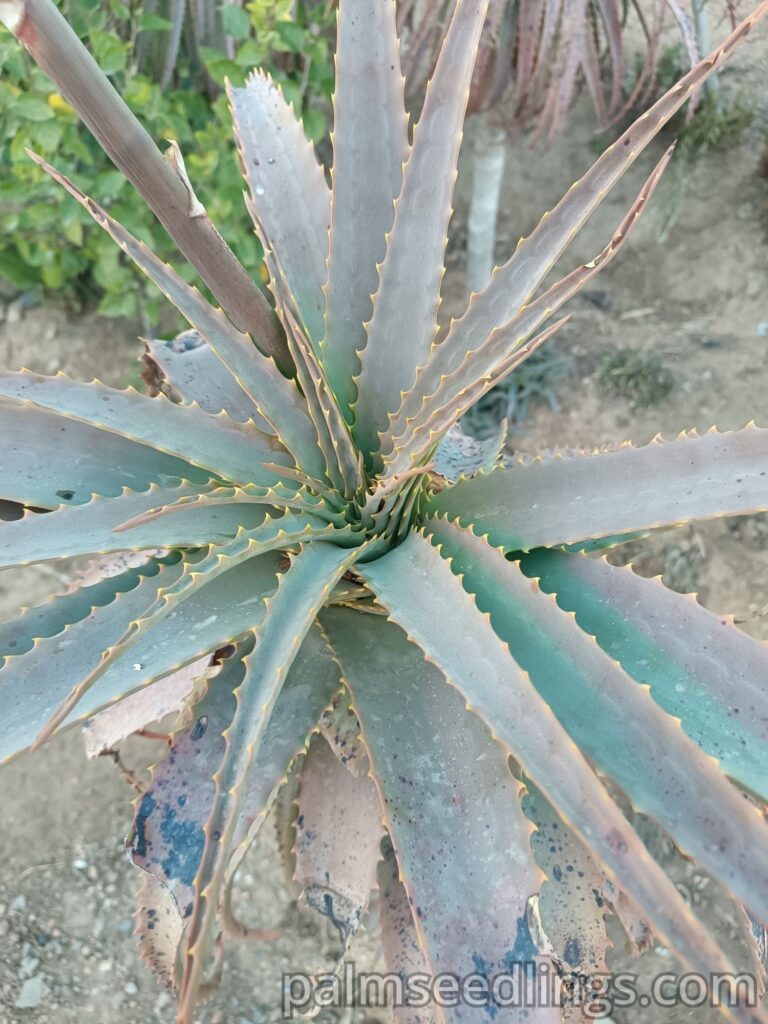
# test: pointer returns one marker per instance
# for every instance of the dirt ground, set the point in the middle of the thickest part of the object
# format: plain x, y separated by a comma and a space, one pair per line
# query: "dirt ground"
700, 301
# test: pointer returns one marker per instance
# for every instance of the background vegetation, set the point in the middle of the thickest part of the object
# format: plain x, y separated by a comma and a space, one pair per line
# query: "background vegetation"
175, 87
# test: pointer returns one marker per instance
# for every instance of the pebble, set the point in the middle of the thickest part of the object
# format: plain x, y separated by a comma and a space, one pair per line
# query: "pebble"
130, 988
19, 904
762, 329
29, 965
32, 993
79, 864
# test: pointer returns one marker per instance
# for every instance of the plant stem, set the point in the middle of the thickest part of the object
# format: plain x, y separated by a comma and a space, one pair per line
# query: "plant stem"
704, 40
53, 45
487, 175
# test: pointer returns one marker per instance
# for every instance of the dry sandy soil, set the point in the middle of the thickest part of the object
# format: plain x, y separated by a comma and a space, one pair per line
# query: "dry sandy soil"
66, 948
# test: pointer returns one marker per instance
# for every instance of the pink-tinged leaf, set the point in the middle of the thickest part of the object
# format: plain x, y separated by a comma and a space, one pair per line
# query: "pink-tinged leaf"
287, 189
106, 730
158, 927
610, 12
493, 65
338, 835
451, 807
560, 499
370, 146
419, 588
404, 321
574, 27
403, 953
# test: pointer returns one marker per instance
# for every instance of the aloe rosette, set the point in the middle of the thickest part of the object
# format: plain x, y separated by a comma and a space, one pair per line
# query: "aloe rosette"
366, 617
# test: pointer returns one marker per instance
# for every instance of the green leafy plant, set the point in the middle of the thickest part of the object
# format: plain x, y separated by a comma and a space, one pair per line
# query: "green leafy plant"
175, 90
640, 377
371, 615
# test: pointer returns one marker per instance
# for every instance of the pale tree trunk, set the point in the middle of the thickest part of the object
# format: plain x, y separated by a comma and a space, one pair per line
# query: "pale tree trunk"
704, 40
487, 174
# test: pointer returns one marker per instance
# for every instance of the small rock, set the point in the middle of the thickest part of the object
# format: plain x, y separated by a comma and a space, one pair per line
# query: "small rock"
13, 313
762, 329
92, 872
130, 988
32, 993
79, 864
163, 1000
19, 904
28, 966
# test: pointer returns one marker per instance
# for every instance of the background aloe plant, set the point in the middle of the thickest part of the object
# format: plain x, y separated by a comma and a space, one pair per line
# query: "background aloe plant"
533, 59
355, 605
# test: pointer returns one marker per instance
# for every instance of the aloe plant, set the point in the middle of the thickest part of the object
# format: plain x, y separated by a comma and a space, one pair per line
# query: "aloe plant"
545, 52
373, 613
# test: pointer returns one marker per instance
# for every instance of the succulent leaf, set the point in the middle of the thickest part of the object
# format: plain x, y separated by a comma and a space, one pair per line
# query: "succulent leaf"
258, 375
700, 667
106, 730
304, 547
92, 528
287, 189
273, 534
606, 493
47, 460
479, 664
34, 683
213, 443
450, 804
186, 369
404, 320
370, 147
309, 688
459, 455
289, 614
338, 834
423, 414
403, 953
19, 635
662, 771
571, 908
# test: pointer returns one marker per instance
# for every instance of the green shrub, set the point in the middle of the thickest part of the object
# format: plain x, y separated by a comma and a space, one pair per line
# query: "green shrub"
51, 244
